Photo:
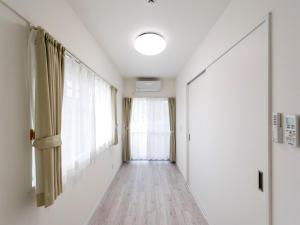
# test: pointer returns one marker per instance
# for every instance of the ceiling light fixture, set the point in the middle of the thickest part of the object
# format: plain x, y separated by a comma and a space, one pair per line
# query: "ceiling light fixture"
150, 44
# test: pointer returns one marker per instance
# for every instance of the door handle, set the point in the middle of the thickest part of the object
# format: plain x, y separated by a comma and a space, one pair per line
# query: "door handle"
261, 181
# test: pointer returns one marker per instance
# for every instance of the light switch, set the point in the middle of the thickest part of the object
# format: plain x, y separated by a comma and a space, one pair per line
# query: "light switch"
277, 128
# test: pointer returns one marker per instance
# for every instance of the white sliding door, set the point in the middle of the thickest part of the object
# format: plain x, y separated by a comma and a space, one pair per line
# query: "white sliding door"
229, 136
150, 129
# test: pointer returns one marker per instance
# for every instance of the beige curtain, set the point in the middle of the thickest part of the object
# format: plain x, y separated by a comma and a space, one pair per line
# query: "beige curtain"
127, 107
172, 113
48, 100
114, 115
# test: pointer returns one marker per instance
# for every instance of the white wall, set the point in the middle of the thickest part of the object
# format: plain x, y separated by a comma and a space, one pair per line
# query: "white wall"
17, 202
236, 21
168, 89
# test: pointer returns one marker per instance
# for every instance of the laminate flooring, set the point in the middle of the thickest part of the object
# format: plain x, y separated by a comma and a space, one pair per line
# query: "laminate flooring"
148, 193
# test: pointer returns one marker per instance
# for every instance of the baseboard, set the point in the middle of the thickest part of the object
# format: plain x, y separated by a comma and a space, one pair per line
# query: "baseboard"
195, 196
101, 197
179, 167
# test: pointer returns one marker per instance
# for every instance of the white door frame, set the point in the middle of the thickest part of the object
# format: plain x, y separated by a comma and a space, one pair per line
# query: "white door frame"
266, 21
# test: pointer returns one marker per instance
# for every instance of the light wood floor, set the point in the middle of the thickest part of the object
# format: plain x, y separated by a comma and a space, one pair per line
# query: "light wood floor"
148, 193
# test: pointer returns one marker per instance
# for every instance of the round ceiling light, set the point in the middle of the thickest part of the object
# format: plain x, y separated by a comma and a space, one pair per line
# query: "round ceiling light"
150, 44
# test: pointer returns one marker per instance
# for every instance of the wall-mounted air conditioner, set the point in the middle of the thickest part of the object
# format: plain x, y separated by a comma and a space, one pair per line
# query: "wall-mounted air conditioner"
147, 85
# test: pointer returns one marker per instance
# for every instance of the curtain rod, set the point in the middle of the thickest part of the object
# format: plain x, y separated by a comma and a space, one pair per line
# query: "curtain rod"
31, 26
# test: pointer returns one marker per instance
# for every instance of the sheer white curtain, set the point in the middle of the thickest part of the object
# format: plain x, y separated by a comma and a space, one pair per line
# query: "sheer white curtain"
150, 129
86, 117
103, 111
31, 79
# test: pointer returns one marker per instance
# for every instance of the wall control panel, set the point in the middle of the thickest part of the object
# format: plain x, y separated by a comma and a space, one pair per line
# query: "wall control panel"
291, 130
277, 128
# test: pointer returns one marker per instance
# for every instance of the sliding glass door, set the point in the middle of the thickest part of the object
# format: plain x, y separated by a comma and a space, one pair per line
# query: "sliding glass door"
150, 129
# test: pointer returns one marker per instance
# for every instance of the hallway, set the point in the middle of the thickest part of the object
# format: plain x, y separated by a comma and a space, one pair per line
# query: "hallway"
146, 193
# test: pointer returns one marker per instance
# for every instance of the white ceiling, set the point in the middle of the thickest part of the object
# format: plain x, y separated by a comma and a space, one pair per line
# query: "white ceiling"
116, 23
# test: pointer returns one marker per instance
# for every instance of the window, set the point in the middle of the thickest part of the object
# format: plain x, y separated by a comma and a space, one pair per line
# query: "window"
150, 129
86, 117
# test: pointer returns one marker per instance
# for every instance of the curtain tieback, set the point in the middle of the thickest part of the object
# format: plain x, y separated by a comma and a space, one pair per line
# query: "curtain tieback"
48, 142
